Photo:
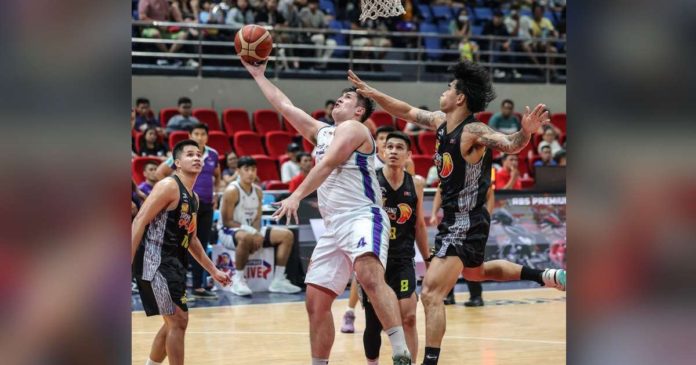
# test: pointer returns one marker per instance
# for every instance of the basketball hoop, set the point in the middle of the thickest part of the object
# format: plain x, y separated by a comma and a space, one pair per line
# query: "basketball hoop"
373, 9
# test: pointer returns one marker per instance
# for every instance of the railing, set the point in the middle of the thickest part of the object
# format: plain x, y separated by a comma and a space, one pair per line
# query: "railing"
412, 61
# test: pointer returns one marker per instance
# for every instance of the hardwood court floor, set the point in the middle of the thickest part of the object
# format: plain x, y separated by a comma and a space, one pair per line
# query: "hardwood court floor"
515, 327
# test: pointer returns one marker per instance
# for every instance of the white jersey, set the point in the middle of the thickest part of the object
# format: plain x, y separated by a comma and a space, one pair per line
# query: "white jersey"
247, 207
378, 162
351, 185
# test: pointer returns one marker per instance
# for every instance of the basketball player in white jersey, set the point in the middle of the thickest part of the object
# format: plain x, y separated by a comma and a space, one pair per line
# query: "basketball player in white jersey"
357, 229
239, 229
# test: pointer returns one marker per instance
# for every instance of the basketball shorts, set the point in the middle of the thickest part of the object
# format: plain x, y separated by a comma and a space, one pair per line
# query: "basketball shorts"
401, 277
163, 292
348, 236
464, 235
227, 236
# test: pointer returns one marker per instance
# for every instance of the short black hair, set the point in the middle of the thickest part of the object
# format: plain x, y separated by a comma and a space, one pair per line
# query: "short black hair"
294, 147
141, 100
559, 155
475, 83
179, 147
384, 129
545, 146
507, 101
148, 163
401, 136
330, 101
366, 103
245, 161
183, 100
505, 156
199, 126
300, 155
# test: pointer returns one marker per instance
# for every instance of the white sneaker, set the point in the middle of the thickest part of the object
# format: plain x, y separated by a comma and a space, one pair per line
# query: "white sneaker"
554, 278
516, 74
192, 63
283, 286
498, 74
240, 287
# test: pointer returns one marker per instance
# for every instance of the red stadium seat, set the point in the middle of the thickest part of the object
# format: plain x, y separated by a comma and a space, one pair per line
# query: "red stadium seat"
401, 124
208, 117
266, 120
276, 185
426, 142
282, 159
484, 117
414, 144
166, 114
137, 136
248, 143
559, 120
277, 143
307, 145
380, 117
422, 164
137, 167
176, 137
266, 167
219, 141
319, 113
527, 182
523, 166
235, 120
519, 116
289, 128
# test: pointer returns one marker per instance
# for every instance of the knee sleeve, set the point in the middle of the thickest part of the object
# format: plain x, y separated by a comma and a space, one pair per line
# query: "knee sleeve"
372, 339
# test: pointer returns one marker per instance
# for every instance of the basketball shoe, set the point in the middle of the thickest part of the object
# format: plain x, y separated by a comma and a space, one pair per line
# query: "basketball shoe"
348, 320
240, 287
554, 278
283, 285
402, 359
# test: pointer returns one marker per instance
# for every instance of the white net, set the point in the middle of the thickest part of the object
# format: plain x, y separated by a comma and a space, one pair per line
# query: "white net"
373, 9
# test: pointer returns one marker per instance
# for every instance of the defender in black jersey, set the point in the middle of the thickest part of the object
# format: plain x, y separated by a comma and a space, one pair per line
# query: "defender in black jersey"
463, 161
162, 233
402, 199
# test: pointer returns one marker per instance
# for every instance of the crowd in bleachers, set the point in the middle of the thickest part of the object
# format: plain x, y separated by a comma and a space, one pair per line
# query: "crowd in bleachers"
282, 154
532, 27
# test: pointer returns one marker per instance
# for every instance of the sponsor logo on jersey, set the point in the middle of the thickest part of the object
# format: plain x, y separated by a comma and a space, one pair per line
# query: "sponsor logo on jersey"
184, 207
405, 213
446, 166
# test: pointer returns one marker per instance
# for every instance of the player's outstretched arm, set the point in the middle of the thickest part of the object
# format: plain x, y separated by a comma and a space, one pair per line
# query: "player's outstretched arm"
162, 195
303, 122
348, 137
421, 229
396, 107
481, 134
198, 253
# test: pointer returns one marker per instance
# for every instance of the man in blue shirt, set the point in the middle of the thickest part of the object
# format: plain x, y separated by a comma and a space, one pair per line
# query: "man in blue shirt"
205, 186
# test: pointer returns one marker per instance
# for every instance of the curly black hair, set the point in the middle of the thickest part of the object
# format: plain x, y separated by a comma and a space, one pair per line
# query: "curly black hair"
474, 82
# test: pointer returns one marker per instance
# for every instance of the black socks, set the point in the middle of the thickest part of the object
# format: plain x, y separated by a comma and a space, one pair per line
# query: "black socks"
532, 274
432, 354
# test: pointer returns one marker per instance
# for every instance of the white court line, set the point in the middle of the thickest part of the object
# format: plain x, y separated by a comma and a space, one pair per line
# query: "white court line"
337, 300
305, 334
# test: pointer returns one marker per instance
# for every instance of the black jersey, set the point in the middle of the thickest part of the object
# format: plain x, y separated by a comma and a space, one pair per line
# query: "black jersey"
167, 237
463, 185
400, 206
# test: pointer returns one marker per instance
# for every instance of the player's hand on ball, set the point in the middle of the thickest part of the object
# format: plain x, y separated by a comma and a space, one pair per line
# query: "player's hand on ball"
222, 277
362, 88
531, 121
255, 70
287, 207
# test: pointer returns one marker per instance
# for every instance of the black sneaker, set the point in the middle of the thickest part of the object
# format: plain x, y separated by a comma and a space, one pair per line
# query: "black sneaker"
204, 294
449, 300
474, 302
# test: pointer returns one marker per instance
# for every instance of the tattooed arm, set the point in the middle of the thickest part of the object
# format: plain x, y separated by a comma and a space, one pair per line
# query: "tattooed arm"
481, 134
396, 107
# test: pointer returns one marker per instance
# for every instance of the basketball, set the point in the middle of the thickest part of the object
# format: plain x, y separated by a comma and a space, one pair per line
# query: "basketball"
253, 43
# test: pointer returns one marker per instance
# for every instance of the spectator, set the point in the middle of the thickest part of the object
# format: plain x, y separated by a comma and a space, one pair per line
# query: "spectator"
160, 10
550, 138
433, 177
306, 164
144, 116
497, 28
372, 26
206, 184
150, 144
541, 27
312, 17
413, 128
545, 154
150, 174
468, 49
229, 173
271, 16
505, 121
328, 108
291, 167
560, 158
183, 121
508, 177
240, 14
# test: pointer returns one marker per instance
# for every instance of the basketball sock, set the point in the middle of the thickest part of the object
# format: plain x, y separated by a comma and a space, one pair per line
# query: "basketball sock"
279, 273
397, 339
150, 362
316, 361
532, 274
373, 362
350, 309
239, 274
432, 354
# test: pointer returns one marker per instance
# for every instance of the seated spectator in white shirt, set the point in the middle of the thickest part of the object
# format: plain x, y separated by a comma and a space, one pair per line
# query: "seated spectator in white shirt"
183, 121
291, 167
